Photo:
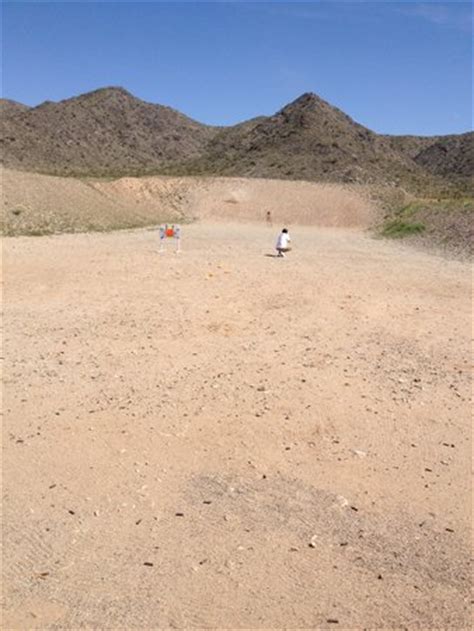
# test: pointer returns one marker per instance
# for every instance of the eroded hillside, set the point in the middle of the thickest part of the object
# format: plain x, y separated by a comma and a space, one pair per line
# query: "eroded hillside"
43, 204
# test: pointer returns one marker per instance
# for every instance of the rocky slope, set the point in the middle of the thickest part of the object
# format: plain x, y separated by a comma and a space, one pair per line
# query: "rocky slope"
104, 132
110, 132
307, 139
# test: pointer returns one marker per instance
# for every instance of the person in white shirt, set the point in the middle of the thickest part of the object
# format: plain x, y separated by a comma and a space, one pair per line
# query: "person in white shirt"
283, 243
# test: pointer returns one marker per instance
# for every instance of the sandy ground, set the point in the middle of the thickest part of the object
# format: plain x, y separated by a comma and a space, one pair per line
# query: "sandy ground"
220, 439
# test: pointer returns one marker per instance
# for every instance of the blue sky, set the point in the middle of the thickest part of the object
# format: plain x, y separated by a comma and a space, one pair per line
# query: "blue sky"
396, 67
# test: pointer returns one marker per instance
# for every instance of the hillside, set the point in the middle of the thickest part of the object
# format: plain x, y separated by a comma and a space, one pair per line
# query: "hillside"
448, 156
411, 146
10, 108
109, 132
307, 139
105, 132
36, 204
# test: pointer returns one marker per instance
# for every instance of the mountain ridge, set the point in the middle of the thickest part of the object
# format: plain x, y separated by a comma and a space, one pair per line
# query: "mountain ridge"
109, 132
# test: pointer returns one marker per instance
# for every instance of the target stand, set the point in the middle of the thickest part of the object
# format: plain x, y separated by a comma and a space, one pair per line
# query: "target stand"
170, 232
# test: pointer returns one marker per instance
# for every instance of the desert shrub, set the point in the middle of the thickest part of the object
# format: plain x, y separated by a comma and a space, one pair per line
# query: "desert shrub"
397, 228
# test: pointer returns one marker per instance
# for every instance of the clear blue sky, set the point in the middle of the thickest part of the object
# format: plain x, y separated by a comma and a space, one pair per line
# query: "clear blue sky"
396, 67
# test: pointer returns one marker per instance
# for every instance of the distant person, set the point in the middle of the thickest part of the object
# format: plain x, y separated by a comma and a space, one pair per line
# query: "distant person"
283, 243
269, 218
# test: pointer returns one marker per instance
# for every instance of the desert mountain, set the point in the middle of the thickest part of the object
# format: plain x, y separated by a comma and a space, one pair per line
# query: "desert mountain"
103, 132
307, 139
110, 132
10, 108
449, 155
411, 146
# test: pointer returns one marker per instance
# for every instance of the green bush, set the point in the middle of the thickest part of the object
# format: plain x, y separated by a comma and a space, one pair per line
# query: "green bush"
397, 229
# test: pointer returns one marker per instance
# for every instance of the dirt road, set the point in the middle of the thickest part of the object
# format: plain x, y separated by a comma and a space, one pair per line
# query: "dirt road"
221, 439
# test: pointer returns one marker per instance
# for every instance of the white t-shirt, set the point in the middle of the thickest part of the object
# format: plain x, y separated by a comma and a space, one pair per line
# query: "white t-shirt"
283, 240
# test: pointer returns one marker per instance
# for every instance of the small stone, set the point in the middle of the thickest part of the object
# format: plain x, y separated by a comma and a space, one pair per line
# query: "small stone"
342, 501
313, 542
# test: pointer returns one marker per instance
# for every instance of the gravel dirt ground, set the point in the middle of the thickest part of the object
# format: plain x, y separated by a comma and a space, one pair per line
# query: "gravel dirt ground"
223, 439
